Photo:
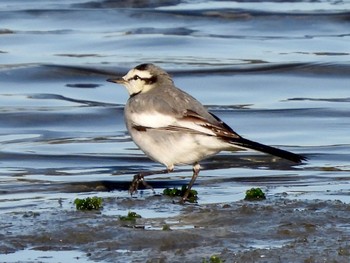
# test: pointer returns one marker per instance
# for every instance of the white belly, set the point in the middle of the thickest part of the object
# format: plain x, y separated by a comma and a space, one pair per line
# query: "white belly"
176, 148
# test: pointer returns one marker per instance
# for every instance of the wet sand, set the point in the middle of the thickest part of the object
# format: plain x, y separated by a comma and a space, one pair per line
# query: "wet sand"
275, 230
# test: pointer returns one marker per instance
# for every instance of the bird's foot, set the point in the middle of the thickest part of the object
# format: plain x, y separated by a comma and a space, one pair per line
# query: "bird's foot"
188, 195
138, 178
183, 201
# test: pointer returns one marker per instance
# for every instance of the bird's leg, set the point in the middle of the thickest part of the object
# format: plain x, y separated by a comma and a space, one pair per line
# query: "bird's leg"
196, 169
140, 178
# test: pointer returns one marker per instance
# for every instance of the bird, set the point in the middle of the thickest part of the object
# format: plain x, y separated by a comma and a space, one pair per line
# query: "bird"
173, 128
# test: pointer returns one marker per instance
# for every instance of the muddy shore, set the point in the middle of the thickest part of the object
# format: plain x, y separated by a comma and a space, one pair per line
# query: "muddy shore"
274, 230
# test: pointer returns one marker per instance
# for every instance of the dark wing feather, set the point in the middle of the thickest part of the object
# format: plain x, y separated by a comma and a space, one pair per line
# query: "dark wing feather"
225, 132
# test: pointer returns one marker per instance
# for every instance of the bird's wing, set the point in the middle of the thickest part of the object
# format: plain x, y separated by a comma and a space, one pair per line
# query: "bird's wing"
218, 128
174, 110
189, 121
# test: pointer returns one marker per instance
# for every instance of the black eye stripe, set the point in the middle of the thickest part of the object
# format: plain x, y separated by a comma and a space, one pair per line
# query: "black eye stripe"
136, 77
150, 80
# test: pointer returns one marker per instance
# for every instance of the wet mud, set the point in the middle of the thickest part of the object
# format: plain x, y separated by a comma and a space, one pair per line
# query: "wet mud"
275, 230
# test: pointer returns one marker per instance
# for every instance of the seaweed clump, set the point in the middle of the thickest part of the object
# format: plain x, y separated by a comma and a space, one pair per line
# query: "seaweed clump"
213, 259
254, 194
132, 216
89, 203
192, 197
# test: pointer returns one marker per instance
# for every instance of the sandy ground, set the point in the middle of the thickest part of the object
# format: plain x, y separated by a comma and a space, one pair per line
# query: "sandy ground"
274, 230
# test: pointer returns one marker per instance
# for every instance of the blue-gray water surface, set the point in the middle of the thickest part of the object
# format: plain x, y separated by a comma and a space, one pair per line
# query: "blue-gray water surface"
277, 72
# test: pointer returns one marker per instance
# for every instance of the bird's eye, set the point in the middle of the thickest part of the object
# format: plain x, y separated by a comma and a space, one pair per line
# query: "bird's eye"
136, 77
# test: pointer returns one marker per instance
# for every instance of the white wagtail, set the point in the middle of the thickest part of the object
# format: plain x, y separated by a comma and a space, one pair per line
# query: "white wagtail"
173, 128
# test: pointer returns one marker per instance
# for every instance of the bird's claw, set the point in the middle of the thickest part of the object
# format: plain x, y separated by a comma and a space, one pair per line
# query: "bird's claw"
138, 178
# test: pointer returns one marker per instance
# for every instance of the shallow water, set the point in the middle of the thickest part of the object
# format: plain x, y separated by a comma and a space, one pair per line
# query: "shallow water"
276, 72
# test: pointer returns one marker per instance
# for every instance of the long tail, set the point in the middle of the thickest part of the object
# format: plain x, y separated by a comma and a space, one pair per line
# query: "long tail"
245, 143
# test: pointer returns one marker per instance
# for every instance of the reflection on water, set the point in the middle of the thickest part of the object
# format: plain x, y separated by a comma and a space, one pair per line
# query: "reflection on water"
276, 72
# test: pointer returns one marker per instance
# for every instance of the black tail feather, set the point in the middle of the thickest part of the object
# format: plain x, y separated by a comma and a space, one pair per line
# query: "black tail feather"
268, 149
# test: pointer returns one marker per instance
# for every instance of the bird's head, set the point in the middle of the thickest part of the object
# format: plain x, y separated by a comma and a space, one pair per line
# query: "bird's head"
143, 78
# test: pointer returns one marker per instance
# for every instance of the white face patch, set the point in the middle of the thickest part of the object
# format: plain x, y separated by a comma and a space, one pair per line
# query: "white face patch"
136, 81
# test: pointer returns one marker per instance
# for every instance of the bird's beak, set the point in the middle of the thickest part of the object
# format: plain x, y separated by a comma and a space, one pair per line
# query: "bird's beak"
117, 80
